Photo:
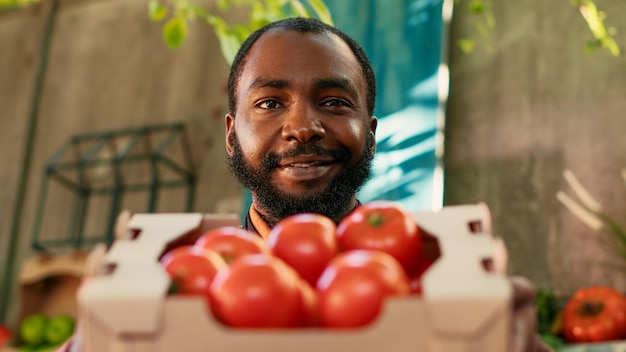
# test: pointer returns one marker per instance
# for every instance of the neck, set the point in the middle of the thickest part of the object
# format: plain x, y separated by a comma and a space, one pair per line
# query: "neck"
272, 219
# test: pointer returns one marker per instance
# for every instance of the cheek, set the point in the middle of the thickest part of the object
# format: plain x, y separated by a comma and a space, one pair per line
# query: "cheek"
353, 135
253, 141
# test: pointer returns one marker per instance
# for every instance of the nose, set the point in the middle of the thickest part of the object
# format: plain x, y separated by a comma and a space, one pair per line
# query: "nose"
303, 123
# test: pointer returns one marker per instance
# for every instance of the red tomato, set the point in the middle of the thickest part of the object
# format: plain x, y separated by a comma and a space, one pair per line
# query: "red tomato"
192, 269
384, 226
5, 334
232, 242
430, 253
354, 286
310, 305
306, 242
595, 314
257, 291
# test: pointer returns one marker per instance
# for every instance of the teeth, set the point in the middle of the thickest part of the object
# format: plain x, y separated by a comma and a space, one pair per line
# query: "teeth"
315, 163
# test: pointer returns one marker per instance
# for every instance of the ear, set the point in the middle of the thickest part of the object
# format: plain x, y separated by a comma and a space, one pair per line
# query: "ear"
229, 120
373, 125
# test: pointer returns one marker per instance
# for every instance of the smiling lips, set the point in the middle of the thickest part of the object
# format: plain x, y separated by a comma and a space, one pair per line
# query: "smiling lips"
307, 161
306, 167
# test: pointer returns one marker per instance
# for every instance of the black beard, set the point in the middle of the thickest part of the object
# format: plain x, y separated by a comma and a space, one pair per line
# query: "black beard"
335, 201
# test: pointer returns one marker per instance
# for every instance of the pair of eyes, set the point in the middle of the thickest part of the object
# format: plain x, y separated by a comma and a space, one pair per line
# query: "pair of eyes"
271, 104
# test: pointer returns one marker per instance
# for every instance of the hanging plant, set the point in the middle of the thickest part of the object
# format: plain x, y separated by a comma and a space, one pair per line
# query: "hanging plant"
177, 15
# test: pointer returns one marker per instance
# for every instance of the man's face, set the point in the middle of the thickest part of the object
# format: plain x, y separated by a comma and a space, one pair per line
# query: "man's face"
301, 139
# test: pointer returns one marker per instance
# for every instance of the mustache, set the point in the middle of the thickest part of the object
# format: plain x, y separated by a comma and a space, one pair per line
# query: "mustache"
272, 160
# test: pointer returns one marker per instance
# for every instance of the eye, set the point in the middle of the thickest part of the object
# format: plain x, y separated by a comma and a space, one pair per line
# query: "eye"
268, 104
336, 102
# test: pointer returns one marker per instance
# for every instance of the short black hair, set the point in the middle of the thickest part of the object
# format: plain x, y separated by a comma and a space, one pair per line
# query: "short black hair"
303, 25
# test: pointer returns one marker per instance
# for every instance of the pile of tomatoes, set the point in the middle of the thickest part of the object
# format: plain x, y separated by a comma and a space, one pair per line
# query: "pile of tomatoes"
308, 272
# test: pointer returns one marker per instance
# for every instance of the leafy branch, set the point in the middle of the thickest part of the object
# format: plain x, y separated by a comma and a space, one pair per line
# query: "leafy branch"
483, 22
179, 13
603, 36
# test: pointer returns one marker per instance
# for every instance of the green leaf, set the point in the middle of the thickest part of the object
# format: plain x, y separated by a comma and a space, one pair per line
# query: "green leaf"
174, 288
555, 342
210, 19
10, 4
242, 32
222, 5
299, 9
546, 308
260, 16
229, 43
613, 48
175, 32
156, 10
271, 6
595, 21
590, 46
466, 45
277, 9
476, 6
322, 11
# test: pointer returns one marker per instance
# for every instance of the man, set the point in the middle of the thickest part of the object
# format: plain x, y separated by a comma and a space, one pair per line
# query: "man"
300, 134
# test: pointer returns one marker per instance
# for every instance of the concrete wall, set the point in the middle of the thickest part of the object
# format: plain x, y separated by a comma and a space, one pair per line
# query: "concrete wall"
108, 69
522, 113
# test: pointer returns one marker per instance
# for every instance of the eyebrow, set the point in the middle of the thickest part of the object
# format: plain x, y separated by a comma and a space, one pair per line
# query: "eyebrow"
267, 83
342, 83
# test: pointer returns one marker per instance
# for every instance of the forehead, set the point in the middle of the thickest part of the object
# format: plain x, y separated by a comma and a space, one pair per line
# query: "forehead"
291, 55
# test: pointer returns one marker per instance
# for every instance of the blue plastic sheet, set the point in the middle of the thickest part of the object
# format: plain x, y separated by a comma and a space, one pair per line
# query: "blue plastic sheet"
403, 39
